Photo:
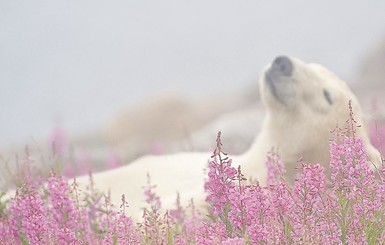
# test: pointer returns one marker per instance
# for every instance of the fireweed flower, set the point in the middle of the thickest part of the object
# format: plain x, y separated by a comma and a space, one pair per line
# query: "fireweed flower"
377, 136
250, 210
58, 141
29, 218
62, 208
310, 185
189, 226
357, 190
282, 207
212, 233
350, 171
275, 169
280, 197
234, 241
5, 232
349, 210
121, 231
218, 184
155, 227
221, 175
189, 231
178, 214
150, 195
257, 213
308, 207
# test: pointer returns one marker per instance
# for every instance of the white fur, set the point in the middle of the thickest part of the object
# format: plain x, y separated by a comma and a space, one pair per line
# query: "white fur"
300, 127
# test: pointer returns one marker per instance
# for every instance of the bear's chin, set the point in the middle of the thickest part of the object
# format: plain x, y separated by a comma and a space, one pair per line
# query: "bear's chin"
278, 92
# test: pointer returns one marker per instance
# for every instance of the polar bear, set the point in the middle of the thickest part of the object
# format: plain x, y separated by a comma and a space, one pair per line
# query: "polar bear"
303, 102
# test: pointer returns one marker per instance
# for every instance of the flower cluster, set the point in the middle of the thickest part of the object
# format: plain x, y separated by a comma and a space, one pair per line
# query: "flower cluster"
351, 210
346, 208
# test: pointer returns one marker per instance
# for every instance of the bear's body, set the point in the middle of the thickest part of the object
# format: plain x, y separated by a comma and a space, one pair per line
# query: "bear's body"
304, 103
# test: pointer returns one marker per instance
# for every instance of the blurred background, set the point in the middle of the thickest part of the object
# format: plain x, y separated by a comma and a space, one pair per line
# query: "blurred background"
118, 79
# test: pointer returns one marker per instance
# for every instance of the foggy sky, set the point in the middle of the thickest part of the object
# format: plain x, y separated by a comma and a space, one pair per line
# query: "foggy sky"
78, 63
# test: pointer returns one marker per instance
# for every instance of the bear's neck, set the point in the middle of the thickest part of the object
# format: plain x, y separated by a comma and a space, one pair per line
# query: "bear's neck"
253, 161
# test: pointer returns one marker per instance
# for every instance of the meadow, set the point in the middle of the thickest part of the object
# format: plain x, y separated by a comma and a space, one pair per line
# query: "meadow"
344, 207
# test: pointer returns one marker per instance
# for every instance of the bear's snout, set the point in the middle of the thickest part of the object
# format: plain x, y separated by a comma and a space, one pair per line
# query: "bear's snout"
278, 78
281, 66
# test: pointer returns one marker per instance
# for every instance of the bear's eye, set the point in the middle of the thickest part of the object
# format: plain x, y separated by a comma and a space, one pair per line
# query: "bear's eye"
327, 97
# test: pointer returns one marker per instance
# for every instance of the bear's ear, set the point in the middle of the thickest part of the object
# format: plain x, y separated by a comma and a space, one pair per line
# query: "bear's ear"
328, 97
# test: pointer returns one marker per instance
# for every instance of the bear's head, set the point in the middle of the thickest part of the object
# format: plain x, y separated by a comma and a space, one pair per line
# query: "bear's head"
305, 102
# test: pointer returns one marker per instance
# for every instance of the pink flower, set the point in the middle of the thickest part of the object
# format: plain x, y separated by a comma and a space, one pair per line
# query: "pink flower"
219, 184
63, 210
122, 231
349, 211
275, 169
377, 136
311, 184
212, 233
58, 141
150, 196
114, 161
29, 216
234, 241
178, 214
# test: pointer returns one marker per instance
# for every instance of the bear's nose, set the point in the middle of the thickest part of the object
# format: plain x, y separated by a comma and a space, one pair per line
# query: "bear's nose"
282, 65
